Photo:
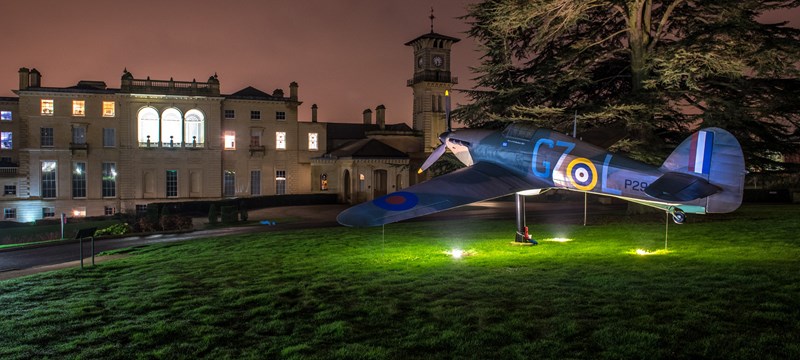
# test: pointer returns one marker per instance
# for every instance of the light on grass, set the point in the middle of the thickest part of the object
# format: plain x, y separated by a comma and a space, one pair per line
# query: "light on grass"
558, 239
458, 253
643, 252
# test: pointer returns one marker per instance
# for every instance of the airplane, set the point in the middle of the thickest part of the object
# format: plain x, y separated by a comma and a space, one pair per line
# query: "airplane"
704, 174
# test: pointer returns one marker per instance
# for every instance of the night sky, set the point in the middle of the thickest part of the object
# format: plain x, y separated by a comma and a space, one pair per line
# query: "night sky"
346, 55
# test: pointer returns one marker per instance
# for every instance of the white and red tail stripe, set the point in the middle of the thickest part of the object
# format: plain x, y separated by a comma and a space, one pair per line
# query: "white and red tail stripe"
700, 153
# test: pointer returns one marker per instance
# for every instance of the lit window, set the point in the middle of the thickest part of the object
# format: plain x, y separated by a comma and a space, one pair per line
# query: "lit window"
255, 137
362, 183
255, 115
48, 179
109, 137
255, 182
79, 211
148, 127
109, 210
9, 213
5, 140
229, 183
46, 137
230, 114
109, 177
48, 212
171, 128
280, 140
47, 107
79, 180
172, 183
5, 115
280, 182
230, 140
9, 189
323, 182
108, 109
280, 115
78, 108
194, 125
312, 141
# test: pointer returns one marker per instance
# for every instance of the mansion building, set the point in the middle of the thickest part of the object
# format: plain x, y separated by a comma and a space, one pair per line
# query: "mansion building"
91, 150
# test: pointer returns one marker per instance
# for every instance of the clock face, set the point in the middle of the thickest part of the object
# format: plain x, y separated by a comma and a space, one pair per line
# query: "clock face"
420, 61
438, 61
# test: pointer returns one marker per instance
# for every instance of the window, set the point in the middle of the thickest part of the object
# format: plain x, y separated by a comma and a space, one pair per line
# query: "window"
9, 189
141, 210
171, 128
255, 182
79, 180
79, 211
109, 177
108, 109
148, 127
229, 183
230, 140
47, 107
5, 140
255, 115
109, 137
109, 210
312, 141
323, 182
280, 115
78, 108
78, 135
9, 213
5, 115
280, 182
46, 137
230, 114
280, 140
48, 179
362, 182
5, 159
255, 137
172, 183
194, 128
48, 212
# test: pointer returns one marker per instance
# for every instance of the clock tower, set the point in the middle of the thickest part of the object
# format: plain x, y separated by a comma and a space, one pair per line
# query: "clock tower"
431, 79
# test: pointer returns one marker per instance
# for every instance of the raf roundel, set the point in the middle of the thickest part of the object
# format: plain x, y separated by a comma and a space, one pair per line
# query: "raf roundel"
397, 201
582, 173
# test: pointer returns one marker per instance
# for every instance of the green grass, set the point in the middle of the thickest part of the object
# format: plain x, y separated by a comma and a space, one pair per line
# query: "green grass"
728, 288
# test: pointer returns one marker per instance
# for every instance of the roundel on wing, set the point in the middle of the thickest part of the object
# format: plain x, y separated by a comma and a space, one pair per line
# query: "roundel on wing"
397, 201
582, 173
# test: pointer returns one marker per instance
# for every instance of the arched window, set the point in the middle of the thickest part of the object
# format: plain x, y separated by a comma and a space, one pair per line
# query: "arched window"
148, 127
194, 124
171, 128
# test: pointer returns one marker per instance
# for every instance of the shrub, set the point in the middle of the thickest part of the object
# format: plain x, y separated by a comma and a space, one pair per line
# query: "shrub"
229, 214
213, 214
116, 229
243, 213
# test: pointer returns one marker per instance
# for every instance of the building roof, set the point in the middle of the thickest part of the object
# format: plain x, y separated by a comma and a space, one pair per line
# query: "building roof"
74, 89
343, 131
433, 35
251, 93
368, 148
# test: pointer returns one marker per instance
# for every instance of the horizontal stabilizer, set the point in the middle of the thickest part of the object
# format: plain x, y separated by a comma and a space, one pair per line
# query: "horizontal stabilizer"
674, 186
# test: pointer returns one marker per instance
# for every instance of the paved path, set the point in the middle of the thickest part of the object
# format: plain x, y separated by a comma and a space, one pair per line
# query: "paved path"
26, 260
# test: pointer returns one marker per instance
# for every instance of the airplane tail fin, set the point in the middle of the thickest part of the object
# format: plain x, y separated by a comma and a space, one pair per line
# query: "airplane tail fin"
714, 155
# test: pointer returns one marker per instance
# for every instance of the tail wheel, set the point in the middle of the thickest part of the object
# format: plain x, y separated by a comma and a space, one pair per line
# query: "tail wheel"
678, 216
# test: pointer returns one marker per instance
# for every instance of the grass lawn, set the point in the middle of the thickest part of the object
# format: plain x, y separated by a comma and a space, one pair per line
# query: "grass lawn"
728, 288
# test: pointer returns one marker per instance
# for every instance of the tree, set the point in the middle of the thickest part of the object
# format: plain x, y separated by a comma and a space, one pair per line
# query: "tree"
653, 70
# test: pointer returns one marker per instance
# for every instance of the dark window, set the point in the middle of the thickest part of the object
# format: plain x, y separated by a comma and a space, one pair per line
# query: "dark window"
48, 212
109, 210
109, 179
9, 213
109, 137
10, 190
229, 183
255, 115
230, 114
280, 115
280, 182
255, 182
46, 137
172, 183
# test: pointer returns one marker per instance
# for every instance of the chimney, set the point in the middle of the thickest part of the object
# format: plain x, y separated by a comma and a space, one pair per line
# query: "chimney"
35, 79
367, 117
380, 116
314, 113
24, 74
293, 91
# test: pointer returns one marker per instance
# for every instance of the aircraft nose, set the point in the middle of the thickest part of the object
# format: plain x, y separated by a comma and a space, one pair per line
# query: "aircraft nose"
467, 137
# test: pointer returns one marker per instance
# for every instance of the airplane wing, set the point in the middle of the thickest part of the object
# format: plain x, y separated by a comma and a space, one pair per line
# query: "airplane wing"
482, 181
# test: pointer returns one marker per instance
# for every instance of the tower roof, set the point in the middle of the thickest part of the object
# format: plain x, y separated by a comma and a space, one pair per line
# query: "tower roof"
435, 36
